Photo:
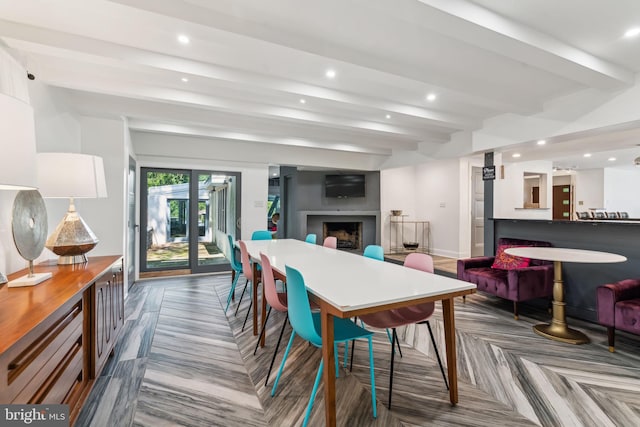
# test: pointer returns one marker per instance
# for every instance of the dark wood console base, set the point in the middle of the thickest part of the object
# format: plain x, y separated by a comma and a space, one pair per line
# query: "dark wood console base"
57, 336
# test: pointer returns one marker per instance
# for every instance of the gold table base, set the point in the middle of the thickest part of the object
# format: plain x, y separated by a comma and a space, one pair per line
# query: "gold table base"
559, 333
558, 330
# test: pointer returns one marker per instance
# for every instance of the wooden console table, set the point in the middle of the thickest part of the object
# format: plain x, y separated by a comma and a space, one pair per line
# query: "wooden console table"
57, 336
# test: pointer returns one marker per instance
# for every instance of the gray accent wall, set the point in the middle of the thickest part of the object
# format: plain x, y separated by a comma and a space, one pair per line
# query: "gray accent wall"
306, 207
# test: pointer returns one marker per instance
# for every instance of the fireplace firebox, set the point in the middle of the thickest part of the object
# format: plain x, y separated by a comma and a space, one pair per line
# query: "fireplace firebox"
348, 234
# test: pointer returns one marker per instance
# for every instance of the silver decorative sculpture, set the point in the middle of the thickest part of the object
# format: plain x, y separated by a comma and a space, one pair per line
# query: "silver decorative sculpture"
29, 228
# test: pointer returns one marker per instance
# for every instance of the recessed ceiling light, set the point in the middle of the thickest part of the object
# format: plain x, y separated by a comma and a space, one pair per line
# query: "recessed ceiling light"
587, 154
516, 155
388, 116
612, 159
184, 79
431, 97
541, 142
632, 32
303, 101
330, 73
183, 39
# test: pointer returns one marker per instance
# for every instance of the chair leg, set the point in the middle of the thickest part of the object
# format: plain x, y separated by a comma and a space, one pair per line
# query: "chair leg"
346, 354
398, 344
393, 352
247, 316
313, 394
241, 296
611, 335
234, 274
435, 347
515, 310
353, 350
393, 342
284, 360
273, 359
373, 379
262, 331
232, 291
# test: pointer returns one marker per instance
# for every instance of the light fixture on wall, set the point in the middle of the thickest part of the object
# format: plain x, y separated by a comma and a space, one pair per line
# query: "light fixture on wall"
636, 161
72, 176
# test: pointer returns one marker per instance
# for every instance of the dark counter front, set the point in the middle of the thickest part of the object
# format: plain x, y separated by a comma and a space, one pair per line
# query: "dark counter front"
582, 279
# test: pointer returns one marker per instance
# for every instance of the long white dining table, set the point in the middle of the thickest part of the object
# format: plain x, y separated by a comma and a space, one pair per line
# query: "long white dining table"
345, 285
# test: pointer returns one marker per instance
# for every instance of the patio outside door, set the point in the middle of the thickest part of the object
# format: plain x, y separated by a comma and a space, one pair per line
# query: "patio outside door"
185, 216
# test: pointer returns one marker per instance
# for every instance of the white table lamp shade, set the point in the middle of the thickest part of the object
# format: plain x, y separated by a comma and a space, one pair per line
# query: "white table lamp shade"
17, 145
73, 176
64, 175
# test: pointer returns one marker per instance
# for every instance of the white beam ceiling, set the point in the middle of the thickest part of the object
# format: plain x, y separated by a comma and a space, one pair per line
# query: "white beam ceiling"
251, 64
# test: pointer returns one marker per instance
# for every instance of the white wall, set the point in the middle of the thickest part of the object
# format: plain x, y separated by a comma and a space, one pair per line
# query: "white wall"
508, 193
397, 191
621, 190
438, 192
589, 189
438, 201
106, 217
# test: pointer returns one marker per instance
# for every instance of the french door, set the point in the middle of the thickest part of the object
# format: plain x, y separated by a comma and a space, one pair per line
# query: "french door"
185, 217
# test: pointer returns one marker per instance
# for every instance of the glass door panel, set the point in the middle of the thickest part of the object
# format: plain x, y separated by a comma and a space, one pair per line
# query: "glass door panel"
185, 218
166, 212
216, 217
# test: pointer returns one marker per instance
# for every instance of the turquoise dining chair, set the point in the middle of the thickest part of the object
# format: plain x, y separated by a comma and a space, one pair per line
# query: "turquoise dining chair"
311, 238
236, 267
307, 324
261, 235
375, 252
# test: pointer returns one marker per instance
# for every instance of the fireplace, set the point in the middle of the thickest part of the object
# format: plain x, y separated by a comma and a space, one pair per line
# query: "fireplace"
348, 234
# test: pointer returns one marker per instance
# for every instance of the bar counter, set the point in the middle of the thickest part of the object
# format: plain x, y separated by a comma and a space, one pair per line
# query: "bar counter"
581, 280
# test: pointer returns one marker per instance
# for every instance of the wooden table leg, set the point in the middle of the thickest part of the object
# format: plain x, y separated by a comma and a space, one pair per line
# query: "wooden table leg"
450, 342
254, 297
329, 372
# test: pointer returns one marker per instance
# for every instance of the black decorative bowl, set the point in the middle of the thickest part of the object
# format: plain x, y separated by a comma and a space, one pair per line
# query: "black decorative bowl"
410, 245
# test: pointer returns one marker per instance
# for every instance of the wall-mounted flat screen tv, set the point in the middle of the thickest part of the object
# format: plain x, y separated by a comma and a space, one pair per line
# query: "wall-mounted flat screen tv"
343, 186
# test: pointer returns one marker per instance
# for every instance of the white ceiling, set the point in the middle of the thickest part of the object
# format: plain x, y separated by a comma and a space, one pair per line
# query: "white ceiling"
250, 62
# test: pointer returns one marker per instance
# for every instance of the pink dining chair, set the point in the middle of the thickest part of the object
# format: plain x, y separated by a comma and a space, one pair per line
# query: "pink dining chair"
417, 314
247, 270
330, 242
276, 300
